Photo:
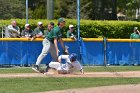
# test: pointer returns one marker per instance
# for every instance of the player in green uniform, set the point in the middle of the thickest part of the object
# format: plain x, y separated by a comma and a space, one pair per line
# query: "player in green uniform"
50, 44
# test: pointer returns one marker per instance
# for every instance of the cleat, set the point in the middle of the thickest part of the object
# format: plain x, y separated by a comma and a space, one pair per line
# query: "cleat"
47, 69
36, 68
42, 71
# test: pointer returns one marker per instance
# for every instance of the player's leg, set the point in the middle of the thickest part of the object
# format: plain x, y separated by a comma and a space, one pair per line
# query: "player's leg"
45, 50
53, 53
54, 65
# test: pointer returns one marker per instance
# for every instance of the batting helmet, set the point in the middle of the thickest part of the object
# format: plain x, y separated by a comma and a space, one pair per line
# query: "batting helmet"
73, 57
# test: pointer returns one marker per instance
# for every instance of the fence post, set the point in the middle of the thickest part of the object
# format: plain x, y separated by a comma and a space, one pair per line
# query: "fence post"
104, 44
50, 9
78, 18
26, 11
2, 32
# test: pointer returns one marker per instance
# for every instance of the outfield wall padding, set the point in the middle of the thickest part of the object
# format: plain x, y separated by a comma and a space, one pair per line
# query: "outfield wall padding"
91, 51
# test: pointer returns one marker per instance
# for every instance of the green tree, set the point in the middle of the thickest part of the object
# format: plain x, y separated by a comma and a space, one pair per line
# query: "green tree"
68, 8
85, 9
39, 13
128, 7
12, 9
37, 9
104, 9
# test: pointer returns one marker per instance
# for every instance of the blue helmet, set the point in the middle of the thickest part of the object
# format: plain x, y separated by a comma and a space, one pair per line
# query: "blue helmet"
73, 57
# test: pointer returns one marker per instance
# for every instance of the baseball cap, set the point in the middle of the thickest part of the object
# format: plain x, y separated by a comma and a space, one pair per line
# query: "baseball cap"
70, 26
61, 20
26, 25
39, 23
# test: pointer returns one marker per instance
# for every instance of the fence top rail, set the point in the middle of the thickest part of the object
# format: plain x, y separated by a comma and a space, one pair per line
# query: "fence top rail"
71, 40
93, 39
111, 40
29, 39
123, 40
19, 39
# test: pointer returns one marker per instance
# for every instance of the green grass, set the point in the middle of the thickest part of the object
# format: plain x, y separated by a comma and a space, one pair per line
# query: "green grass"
111, 68
28, 85
86, 68
39, 84
16, 70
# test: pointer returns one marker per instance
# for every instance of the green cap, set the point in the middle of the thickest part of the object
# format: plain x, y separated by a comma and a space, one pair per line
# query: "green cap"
61, 20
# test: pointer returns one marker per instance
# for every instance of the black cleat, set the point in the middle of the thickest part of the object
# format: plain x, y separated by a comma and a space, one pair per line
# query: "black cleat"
47, 68
36, 68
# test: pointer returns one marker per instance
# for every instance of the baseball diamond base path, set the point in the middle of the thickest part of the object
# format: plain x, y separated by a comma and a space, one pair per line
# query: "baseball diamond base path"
104, 89
88, 74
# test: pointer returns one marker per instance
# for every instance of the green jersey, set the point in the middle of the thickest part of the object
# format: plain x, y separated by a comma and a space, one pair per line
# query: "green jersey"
69, 34
134, 36
38, 31
56, 32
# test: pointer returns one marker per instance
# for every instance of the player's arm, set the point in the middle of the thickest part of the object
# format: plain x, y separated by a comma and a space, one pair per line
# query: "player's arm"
55, 36
65, 48
56, 47
10, 28
13, 30
79, 67
138, 32
62, 43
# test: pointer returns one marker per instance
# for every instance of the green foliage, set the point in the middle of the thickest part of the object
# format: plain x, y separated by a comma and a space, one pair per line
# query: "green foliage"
88, 28
109, 29
128, 7
39, 12
89, 9
11, 9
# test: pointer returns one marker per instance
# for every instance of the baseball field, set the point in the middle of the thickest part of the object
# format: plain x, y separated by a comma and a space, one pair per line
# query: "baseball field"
95, 80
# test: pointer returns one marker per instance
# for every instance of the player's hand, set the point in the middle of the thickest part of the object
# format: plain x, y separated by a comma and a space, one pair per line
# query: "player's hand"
72, 36
66, 51
75, 39
28, 38
32, 38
